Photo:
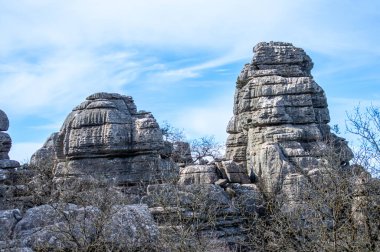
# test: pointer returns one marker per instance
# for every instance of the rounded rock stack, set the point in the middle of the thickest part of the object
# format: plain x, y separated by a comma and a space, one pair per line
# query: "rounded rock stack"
5, 144
279, 130
105, 137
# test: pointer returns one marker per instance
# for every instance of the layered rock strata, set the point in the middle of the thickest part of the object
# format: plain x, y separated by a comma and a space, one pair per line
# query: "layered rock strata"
13, 178
204, 210
279, 131
5, 144
69, 227
105, 137
221, 172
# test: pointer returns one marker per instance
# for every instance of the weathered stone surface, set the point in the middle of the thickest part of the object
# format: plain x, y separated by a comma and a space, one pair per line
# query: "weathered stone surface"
198, 174
279, 130
131, 227
181, 153
233, 172
205, 211
71, 227
4, 122
5, 144
46, 155
8, 220
221, 182
106, 138
10, 172
247, 198
7, 164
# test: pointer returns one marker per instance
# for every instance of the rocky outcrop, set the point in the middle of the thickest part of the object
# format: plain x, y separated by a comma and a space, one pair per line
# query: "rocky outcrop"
59, 227
198, 174
198, 217
279, 131
181, 153
5, 144
13, 177
105, 137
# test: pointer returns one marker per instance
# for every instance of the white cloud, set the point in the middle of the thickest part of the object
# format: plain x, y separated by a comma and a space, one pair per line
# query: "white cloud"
64, 79
55, 53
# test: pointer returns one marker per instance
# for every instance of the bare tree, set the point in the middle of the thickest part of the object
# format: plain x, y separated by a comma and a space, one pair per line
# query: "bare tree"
201, 150
365, 123
205, 148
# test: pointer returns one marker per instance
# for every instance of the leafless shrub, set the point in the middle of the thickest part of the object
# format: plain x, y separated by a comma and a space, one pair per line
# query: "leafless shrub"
366, 125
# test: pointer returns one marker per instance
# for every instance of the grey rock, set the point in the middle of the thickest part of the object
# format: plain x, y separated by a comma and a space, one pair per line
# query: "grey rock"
71, 227
131, 227
46, 156
181, 153
5, 144
8, 220
279, 130
4, 122
7, 164
233, 172
106, 138
221, 182
198, 174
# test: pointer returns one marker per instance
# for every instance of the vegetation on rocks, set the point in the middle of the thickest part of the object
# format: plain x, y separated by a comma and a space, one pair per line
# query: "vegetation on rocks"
112, 180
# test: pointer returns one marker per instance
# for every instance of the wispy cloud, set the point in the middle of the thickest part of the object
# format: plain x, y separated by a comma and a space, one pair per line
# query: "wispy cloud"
55, 53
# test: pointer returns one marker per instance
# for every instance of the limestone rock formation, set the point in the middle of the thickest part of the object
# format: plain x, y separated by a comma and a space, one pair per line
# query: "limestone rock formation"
204, 210
105, 137
4, 122
71, 227
198, 174
13, 190
181, 153
279, 131
233, 172
5, 144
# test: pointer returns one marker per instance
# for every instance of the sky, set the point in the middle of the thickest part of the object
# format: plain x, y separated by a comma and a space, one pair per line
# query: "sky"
177, 59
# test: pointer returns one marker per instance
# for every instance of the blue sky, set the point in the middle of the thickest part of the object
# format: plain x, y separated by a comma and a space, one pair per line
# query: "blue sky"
178, 59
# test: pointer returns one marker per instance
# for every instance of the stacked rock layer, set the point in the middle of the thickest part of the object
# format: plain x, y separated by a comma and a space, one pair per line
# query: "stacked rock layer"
279, 130
5, 144
106, 137
12, 177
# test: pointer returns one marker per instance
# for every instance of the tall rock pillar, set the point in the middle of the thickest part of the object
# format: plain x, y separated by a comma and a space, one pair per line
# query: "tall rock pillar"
279, 130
